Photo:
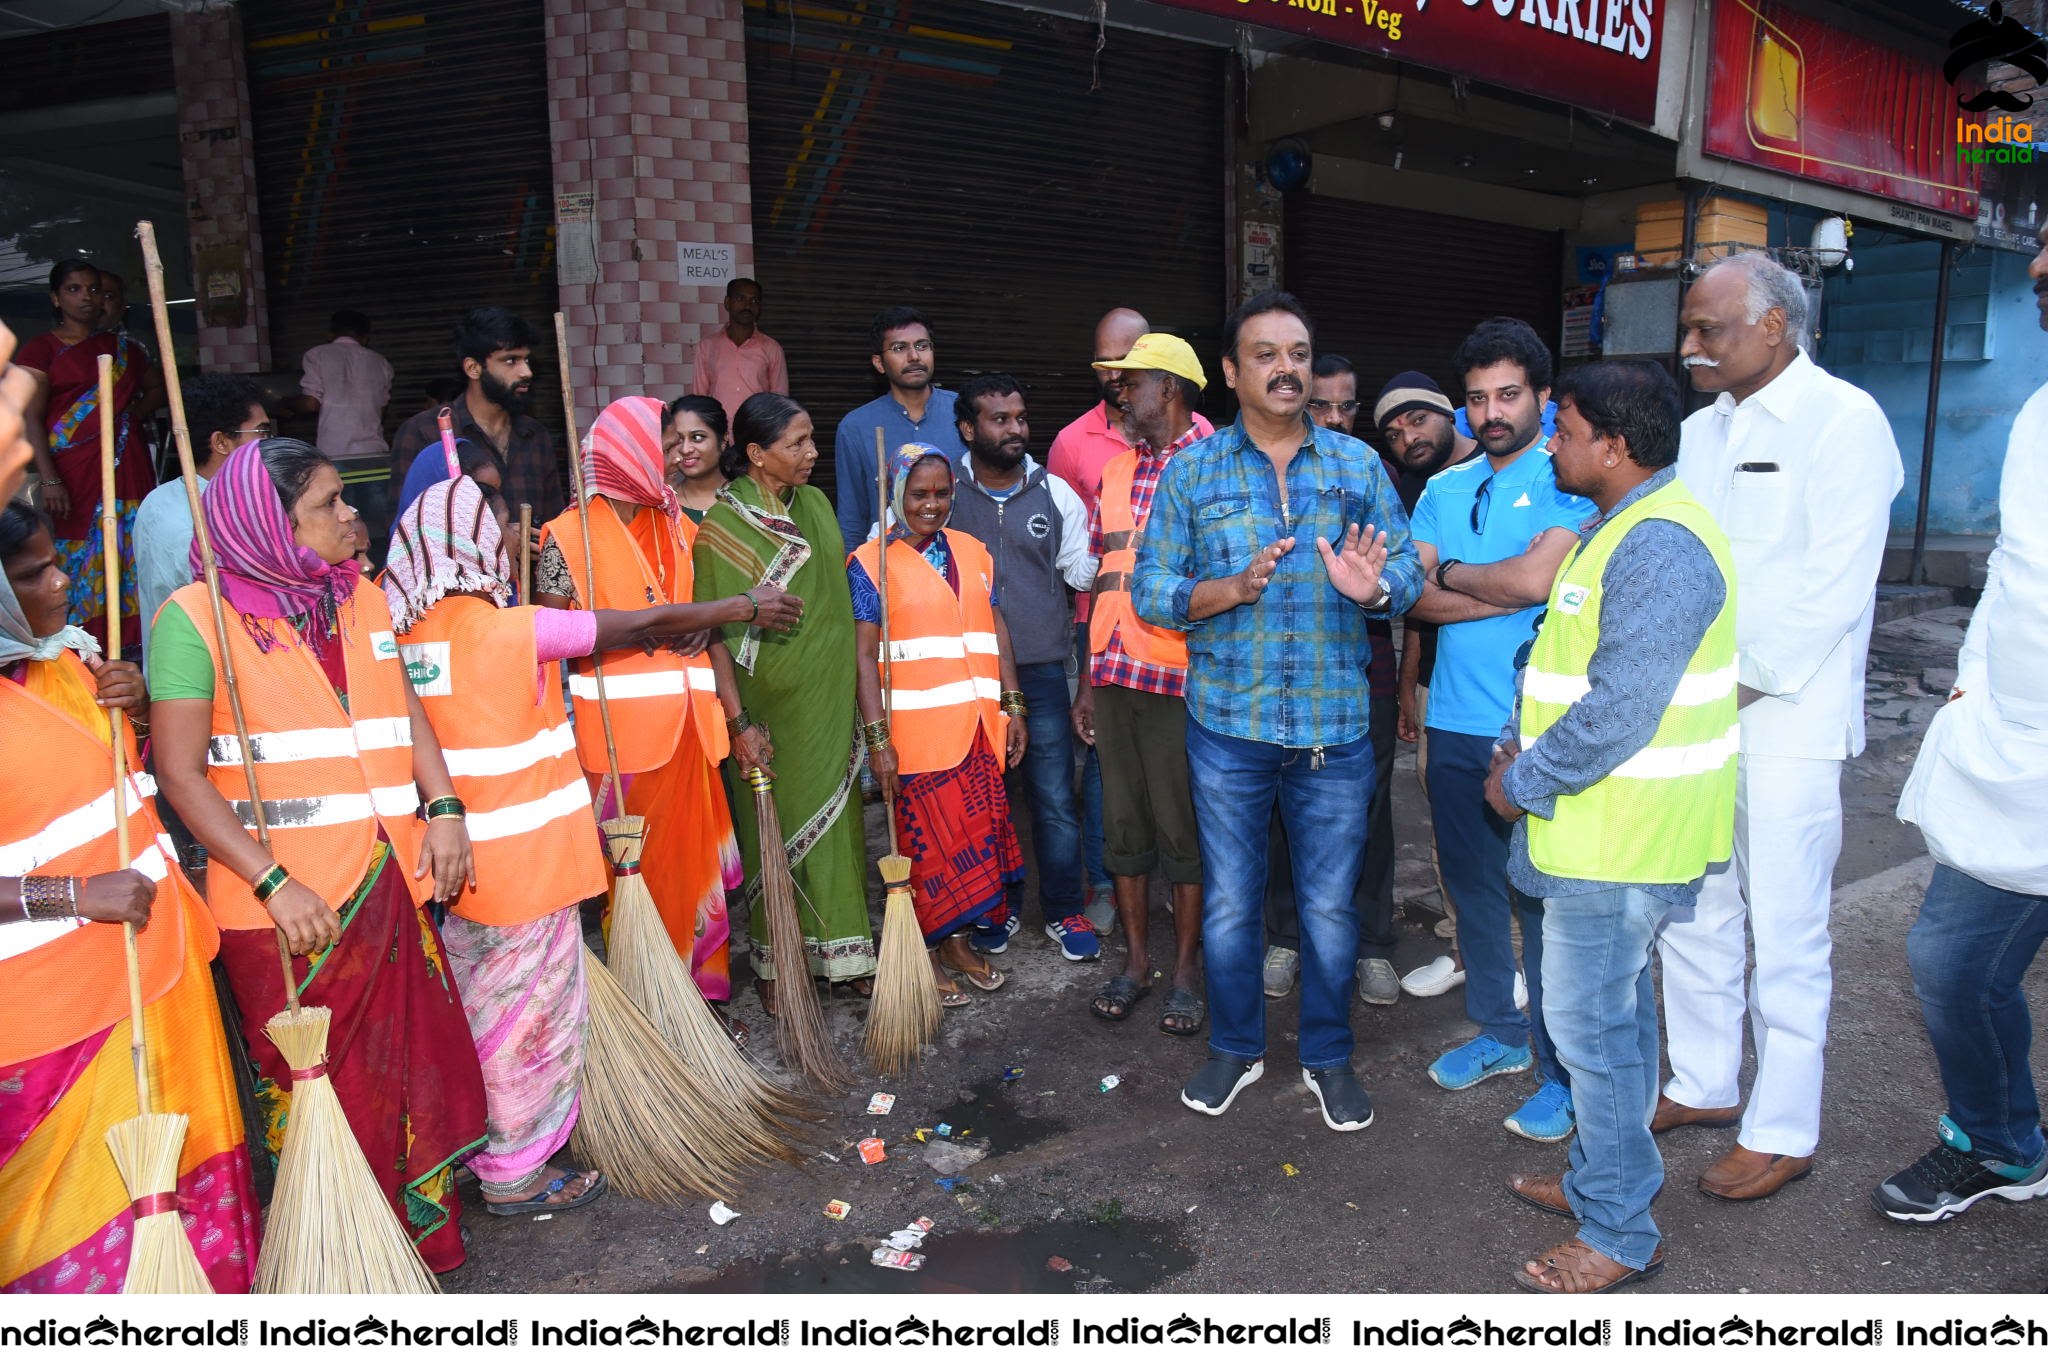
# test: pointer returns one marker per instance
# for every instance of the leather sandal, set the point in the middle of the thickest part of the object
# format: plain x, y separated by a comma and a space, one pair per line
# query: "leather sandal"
1543, 1190
1581, 1270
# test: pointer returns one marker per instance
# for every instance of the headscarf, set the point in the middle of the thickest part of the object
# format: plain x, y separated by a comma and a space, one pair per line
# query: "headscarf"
18, 640
622, 456
907, 458
264, 575
446, 542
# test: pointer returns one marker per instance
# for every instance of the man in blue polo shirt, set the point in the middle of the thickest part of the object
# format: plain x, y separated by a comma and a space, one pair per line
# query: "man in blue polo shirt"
912, 409
1490, 534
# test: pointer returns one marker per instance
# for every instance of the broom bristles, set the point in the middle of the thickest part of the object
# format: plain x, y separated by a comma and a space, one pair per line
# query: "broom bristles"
906, 1012
645, 1119
645, 962
331, 1228
799, 1023
161, 1260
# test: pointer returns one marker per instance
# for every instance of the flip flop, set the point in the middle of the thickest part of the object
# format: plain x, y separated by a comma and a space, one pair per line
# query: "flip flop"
1121, 993
1572, 1261
541, 1202
950, 994
1182, 1004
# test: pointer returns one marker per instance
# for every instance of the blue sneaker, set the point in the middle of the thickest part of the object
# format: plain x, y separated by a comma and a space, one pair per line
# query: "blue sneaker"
988, 939
1476, 1060
1076, 938
1545, 1117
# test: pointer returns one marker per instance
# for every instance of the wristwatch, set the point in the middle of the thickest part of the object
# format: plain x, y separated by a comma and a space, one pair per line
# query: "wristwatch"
1380, 600
1441, 567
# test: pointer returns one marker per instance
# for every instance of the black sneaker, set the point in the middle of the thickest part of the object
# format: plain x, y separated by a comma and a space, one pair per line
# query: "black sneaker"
1211, 1090
1948, 1179
1346, 1106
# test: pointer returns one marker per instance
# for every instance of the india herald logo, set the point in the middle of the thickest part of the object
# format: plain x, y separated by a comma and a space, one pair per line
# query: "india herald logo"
1996, 38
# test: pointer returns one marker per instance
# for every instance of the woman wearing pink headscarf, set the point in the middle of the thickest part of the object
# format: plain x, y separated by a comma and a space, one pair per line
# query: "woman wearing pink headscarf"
675, 710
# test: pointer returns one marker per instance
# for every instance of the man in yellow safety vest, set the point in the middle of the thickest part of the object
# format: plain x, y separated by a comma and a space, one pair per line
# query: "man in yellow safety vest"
1622, 757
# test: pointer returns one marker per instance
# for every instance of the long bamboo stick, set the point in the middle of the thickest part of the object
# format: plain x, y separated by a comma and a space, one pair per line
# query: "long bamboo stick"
604, 711
181, 437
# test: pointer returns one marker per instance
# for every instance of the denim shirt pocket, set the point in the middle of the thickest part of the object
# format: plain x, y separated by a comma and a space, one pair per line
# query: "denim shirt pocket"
1225, 539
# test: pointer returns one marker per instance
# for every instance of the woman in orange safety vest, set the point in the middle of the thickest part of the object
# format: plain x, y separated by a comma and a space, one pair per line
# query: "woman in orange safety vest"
955, 717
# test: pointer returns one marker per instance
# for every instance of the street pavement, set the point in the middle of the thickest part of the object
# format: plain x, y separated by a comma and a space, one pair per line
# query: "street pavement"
1084, 1189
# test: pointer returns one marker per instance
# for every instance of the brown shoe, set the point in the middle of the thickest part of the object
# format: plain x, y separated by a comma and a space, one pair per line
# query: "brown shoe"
1544, 1190
1746, 1175
1670, 1116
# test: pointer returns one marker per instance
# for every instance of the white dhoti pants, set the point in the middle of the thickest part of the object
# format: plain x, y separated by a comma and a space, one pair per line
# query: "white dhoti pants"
1788, 833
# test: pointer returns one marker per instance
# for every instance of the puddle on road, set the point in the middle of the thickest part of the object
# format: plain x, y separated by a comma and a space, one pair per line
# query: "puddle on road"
991, 1111
1130, 1255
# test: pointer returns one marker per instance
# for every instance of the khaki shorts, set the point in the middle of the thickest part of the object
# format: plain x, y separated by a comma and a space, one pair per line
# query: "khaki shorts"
1148, 810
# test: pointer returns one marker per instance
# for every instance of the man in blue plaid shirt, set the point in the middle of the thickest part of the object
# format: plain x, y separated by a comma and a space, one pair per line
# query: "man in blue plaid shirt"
1269, 544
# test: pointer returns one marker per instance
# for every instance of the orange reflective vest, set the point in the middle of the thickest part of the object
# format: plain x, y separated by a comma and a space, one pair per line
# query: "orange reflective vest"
650, 696
944, 682
1114, 613
66, 980
329, 779
506, 737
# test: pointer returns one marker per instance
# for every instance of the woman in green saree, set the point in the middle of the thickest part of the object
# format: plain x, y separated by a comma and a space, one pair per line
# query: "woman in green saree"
770, 527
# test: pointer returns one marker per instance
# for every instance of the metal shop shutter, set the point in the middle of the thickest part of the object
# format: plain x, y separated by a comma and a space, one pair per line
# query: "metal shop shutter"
950, 155
404, 168
1395, 289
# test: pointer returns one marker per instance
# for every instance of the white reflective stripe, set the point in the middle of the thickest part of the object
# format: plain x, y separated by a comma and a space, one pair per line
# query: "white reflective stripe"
326, 742
660, 683
945, 695
1682, 761
524, 817
702, 680
19, 937
71, 830
340, 809
1562, 690
1695, 690
943, 647
491, 760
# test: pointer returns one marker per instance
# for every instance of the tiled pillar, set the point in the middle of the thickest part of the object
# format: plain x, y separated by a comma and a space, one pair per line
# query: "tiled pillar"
219, 152
648, 101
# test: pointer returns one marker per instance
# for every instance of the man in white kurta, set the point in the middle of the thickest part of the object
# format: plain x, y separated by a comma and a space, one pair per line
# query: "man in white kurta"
1979, 793
1799, 468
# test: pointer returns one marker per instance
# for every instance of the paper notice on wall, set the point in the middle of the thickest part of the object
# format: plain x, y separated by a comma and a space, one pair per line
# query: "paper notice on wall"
706, 263
575, 239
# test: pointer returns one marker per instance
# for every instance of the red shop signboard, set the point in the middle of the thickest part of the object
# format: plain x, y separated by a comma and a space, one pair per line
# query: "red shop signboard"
1597, 54
1790, 94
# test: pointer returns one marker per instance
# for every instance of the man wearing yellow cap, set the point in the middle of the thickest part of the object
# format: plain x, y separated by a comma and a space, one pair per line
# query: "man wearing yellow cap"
1133, 681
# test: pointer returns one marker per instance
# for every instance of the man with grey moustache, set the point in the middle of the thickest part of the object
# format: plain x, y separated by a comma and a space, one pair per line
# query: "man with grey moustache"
1799, 469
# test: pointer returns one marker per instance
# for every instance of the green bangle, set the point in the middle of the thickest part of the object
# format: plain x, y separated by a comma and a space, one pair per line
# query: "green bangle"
749, 596
736, 725
267, 885
445, 806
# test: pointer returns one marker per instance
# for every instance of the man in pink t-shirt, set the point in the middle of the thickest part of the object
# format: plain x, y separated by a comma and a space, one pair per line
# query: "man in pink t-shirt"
739, 360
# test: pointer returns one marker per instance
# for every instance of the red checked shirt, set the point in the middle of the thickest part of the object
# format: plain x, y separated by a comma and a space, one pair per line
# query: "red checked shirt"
1112, 665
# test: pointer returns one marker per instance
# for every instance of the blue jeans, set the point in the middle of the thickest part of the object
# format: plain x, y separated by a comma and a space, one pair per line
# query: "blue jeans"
1602, 1012
1091, 791
1472, 852
1048, 778
1236, 784
1970, 949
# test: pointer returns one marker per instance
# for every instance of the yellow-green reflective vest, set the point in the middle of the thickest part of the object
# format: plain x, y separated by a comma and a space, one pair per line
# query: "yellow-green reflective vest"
1668, 811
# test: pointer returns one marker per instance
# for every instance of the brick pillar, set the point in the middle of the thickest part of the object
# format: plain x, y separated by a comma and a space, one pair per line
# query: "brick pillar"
219, 152
649, 112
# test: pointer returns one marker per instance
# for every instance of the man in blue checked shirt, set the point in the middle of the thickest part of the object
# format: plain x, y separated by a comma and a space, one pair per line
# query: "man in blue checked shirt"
1276, 688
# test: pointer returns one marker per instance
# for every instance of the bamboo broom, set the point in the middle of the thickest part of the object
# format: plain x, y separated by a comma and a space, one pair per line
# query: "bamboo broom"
147, 1148
632, 1077
906, 1012
799, 1022
525, 554
330, 1227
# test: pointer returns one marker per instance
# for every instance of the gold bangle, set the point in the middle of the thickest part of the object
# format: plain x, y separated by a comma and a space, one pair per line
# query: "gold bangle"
444, 816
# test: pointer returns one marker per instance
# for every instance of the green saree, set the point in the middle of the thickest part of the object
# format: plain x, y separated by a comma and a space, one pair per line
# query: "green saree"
798, 684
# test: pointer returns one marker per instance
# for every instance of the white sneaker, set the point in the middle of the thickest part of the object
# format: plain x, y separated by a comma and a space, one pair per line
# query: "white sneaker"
1434, 978
1283, 966
1521, 993
1101, 910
